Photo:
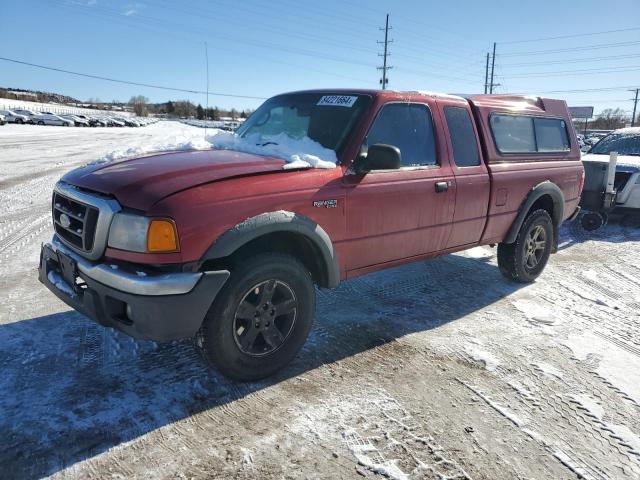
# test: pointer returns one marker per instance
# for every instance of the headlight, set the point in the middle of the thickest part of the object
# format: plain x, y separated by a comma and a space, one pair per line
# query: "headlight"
136, 233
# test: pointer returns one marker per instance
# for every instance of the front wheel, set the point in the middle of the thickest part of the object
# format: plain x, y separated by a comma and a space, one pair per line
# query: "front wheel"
260, 319
524, 260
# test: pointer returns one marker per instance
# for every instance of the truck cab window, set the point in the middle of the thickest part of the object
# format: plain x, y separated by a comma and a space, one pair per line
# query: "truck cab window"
463, 138
408, 127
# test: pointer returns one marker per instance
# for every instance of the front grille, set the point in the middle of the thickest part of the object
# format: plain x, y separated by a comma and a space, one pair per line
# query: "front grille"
79, 226
621, 180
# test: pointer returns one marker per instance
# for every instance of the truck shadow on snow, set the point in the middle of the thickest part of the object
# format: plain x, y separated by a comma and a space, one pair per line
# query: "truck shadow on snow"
71, 389
620, 228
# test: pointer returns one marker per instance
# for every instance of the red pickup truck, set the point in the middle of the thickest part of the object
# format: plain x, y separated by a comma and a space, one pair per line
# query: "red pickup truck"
226, 246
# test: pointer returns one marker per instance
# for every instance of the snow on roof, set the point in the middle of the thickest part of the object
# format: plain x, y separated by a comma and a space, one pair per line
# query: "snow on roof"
437, 94
628, 130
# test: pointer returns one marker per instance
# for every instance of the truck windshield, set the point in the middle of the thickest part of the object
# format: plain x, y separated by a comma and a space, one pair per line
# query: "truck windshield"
623, 143
324, 118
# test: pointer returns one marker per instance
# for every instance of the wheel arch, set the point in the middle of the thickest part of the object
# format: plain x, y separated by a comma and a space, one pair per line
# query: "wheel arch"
283, 232
546, 196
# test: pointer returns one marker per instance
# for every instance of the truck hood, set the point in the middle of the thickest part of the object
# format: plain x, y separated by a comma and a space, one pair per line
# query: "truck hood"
142, 181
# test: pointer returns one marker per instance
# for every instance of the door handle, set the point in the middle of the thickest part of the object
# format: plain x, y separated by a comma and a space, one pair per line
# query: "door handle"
442, 187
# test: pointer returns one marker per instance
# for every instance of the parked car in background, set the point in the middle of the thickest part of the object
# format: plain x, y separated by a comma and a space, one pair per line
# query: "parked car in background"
226, 246
30, 114
93, 121
3, 121
77, 121
594, 138
127, 121
98, 122
51, 119
114, 122
626, 142
14, 117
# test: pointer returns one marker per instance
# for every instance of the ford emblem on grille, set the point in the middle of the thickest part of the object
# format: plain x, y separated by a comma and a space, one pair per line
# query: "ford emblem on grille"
65, 221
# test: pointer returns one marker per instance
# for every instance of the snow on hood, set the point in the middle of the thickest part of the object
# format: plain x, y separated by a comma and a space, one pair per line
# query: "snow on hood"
623, 160
298, 153
187, 138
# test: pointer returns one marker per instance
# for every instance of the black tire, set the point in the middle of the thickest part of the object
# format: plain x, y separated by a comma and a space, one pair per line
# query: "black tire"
19, 121
521, 261
225, 336
41, 123
592, 221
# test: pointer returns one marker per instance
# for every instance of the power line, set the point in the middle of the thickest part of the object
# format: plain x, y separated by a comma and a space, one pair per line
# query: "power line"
581, 90
562, 73
571, 49
571, 60
128, 82
576, 35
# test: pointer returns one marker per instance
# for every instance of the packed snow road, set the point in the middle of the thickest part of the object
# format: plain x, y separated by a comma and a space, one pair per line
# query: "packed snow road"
439, 369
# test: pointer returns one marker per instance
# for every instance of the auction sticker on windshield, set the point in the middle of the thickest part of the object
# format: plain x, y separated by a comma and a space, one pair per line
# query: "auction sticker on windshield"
338, 100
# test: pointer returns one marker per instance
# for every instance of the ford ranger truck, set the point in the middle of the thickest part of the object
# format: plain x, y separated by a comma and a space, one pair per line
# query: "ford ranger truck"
227, 247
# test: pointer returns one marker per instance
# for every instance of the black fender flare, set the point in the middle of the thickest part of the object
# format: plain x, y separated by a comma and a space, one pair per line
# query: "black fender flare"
544, 188
279, 221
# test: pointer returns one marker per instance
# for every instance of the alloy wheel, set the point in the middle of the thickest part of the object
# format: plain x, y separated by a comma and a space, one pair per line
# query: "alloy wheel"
534, 246
265, 317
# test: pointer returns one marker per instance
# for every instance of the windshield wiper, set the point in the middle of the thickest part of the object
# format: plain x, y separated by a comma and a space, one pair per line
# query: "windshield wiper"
266, 143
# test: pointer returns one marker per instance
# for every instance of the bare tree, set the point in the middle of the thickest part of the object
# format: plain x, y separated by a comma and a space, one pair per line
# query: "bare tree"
139, 104
610, 119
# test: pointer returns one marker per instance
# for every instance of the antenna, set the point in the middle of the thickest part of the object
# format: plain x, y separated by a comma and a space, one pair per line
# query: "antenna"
206, 112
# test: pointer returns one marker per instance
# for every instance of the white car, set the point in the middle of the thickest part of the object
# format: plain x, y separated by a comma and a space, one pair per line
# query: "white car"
14, 117
626, 142
51, 119
30, 114
77, 121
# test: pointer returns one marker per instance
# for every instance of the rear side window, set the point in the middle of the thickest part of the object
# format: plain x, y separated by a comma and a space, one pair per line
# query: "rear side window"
513, 134
463, 138
408, 127
523, 134
551, 135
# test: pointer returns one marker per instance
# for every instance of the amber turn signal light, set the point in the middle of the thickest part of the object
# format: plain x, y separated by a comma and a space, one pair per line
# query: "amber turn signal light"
162, 236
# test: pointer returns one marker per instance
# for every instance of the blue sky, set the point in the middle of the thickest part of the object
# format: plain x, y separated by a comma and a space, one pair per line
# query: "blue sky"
263, 48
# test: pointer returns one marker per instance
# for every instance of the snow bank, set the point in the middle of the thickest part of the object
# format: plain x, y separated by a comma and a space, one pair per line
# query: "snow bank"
298, 153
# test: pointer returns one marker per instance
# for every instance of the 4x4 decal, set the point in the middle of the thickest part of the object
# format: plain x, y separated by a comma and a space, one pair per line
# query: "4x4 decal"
326, 203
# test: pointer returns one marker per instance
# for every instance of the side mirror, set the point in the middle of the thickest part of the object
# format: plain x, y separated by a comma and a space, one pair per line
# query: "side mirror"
379, 157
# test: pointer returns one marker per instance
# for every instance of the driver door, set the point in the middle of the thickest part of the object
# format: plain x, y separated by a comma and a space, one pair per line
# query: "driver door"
393, 215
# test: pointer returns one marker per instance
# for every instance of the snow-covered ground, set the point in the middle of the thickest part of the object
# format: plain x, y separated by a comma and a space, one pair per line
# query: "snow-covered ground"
438, 369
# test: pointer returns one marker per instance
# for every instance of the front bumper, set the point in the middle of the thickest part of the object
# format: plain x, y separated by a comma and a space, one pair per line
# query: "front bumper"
159, 307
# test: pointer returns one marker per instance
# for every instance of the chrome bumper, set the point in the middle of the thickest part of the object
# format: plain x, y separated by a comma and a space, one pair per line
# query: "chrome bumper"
133, 283
159, 307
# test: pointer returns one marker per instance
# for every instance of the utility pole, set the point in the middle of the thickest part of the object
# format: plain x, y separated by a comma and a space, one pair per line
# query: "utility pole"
635, 104
486, 74
493, 64
384, 80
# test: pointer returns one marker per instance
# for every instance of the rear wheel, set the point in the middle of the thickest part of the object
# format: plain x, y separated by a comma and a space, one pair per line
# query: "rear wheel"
260, 319
40, 122
524, 260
